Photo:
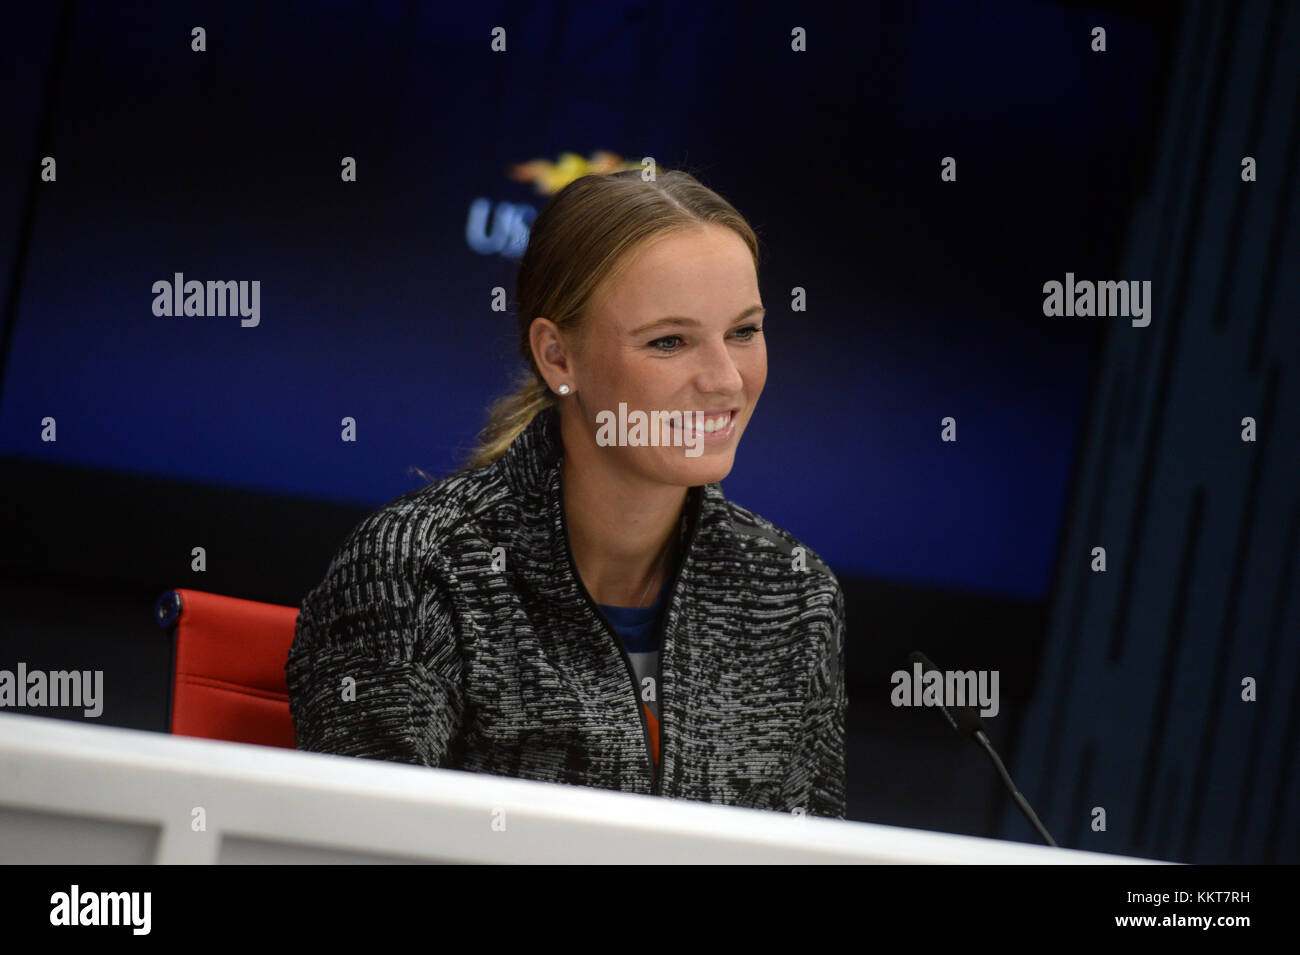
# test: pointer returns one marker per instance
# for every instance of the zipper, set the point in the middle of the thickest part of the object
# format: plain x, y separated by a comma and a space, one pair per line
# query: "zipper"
657, 789
656, 776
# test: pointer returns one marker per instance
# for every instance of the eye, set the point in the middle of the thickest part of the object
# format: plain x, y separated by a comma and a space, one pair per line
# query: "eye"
667, 338
751, 329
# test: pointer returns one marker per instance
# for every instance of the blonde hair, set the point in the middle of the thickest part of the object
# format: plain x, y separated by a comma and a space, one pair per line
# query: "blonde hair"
581, 238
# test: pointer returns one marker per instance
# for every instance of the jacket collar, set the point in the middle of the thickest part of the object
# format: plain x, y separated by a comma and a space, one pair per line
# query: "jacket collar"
528, 460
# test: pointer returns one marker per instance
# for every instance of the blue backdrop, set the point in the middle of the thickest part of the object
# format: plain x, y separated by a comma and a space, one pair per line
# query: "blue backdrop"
924, 297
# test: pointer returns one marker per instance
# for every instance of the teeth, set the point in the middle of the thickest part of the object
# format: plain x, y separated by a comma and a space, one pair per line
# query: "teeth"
711, 424
717, 423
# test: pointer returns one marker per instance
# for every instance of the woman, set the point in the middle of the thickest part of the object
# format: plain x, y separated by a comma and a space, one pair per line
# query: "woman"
580, 603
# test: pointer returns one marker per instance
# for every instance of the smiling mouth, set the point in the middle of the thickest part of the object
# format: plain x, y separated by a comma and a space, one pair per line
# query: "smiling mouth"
715, 422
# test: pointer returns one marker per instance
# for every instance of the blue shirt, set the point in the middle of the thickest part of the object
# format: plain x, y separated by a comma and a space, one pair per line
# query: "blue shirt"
638, 628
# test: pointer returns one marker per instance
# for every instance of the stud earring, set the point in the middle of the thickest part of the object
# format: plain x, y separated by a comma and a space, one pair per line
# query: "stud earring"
564, 389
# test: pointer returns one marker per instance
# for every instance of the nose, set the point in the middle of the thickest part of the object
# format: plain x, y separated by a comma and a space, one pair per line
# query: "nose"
718, 373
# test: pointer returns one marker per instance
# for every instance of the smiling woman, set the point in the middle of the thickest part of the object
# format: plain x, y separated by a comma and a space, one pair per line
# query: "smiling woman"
574, 609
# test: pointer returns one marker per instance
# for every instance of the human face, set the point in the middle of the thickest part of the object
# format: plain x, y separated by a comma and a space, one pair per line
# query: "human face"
680, 329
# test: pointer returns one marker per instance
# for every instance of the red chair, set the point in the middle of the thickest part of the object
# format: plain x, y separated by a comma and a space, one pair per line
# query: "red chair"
228, 658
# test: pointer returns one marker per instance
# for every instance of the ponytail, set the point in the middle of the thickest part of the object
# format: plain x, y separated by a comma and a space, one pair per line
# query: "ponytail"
508, 416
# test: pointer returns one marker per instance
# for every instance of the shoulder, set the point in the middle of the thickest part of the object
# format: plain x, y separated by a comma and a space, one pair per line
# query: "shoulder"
762, 541
404, 535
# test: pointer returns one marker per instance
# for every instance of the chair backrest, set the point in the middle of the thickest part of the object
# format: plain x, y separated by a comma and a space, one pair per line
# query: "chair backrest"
228, 658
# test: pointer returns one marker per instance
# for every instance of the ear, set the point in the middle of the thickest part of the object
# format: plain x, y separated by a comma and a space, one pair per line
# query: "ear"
550, 352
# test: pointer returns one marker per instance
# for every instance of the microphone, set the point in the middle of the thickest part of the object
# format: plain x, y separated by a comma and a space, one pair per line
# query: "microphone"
966, 721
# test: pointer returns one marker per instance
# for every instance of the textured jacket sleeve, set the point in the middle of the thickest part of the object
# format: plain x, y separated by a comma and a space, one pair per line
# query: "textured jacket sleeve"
817, 776
374, 669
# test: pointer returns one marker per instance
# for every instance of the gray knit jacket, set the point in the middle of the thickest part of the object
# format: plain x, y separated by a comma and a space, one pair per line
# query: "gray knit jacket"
453, 630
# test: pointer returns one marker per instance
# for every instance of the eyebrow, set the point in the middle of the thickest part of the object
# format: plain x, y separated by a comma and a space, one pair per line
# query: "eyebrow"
677, 320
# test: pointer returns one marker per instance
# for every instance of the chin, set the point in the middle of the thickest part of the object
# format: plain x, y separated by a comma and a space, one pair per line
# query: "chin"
705, 469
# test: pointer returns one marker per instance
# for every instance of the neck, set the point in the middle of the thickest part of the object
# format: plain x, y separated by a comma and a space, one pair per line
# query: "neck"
621, 529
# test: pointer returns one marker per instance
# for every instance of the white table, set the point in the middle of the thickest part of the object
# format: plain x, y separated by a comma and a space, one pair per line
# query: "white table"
82, 793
